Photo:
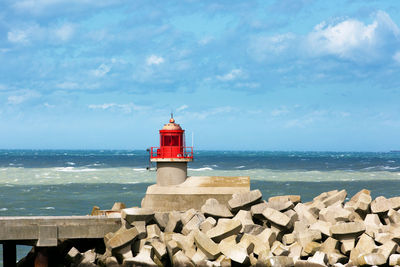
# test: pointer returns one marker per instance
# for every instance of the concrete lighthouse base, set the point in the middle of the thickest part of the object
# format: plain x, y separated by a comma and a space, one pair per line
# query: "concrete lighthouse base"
193, 192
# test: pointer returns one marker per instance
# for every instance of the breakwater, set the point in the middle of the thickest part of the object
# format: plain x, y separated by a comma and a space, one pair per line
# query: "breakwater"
332, 229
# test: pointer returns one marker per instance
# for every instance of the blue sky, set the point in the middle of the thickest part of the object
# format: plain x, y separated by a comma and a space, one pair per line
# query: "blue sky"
264, 75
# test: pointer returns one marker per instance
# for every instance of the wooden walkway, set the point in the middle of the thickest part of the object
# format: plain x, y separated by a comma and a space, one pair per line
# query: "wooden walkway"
45, 231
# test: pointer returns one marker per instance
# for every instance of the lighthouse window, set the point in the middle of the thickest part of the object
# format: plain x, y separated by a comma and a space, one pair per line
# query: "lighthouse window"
175, 141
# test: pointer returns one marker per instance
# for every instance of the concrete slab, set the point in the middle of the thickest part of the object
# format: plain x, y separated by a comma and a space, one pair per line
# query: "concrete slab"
194, 192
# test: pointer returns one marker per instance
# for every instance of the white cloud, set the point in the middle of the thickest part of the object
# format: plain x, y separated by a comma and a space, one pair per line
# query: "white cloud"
154, 60
232, 75
353, 39
102, 70
125, 108
23, 96
264, 47
3, 87
18, 36
396, 57
64, 32
181, 108
210, 112
280, 111
68, 85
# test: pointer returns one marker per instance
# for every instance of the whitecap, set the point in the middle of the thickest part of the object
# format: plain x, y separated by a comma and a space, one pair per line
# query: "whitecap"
3, 209
71, 163
240, 167
201, 169
72, 169
139, 169
48, 208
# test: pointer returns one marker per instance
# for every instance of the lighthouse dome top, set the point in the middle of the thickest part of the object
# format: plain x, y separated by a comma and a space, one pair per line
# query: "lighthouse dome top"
172, 125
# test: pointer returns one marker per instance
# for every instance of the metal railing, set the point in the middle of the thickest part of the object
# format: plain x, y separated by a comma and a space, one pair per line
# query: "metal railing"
171, 152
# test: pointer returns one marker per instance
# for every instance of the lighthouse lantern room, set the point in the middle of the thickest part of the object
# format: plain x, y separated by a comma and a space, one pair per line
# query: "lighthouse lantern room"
172, 156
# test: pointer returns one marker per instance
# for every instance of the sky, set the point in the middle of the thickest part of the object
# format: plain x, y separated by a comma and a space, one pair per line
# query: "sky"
288, 75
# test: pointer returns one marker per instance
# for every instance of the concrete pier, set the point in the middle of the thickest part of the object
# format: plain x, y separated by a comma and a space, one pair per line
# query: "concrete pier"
45, 231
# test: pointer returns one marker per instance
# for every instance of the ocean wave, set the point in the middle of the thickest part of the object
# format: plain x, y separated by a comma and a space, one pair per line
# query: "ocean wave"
3, 209
139, 169
70, 163
73, 169
48, 208
240, 167
201, 169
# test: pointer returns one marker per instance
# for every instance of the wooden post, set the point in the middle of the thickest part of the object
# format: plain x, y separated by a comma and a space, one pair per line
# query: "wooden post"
9, 254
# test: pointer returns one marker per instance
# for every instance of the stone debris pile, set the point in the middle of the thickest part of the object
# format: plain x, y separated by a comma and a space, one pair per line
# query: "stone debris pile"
249, 231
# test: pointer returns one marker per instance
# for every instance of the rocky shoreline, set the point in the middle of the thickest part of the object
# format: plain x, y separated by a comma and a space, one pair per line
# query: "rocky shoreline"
330, 230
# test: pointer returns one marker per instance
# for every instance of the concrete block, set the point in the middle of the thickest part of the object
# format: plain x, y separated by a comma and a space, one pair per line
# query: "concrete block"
74, 256
153, 231
311, 248
111, 262
394, 217
387, 249
347, 245
394, 259
281, 261
306, 263
382, 238
118, 206
267, 236
181, 260
288, 239
394, 203
141, 228
207, 245
224, 229
307, 236
160, 249
245, 218
293, 198
187, 216
278, 249
334, 214
174, 222
233, 251
380, 205
304, 214
253, 229
123, 252
144, 258
48, 236
336, 197
213, 208
321, 226
122, 237
257, 210
371, 259
365, 244
349, 228
206, 225
281, 205
199, 258
295, 251
276, 217
193, 224
244, 200
172, 248
161, 218
137, 214
330, 245
259, 244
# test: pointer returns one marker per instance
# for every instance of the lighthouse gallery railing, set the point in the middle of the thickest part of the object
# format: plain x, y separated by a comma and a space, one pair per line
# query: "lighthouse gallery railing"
171, 152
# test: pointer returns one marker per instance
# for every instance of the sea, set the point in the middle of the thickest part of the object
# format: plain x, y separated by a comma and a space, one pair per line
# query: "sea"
71, 182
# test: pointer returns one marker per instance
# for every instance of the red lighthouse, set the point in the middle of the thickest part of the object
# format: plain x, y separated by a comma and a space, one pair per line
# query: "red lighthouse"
172, 156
